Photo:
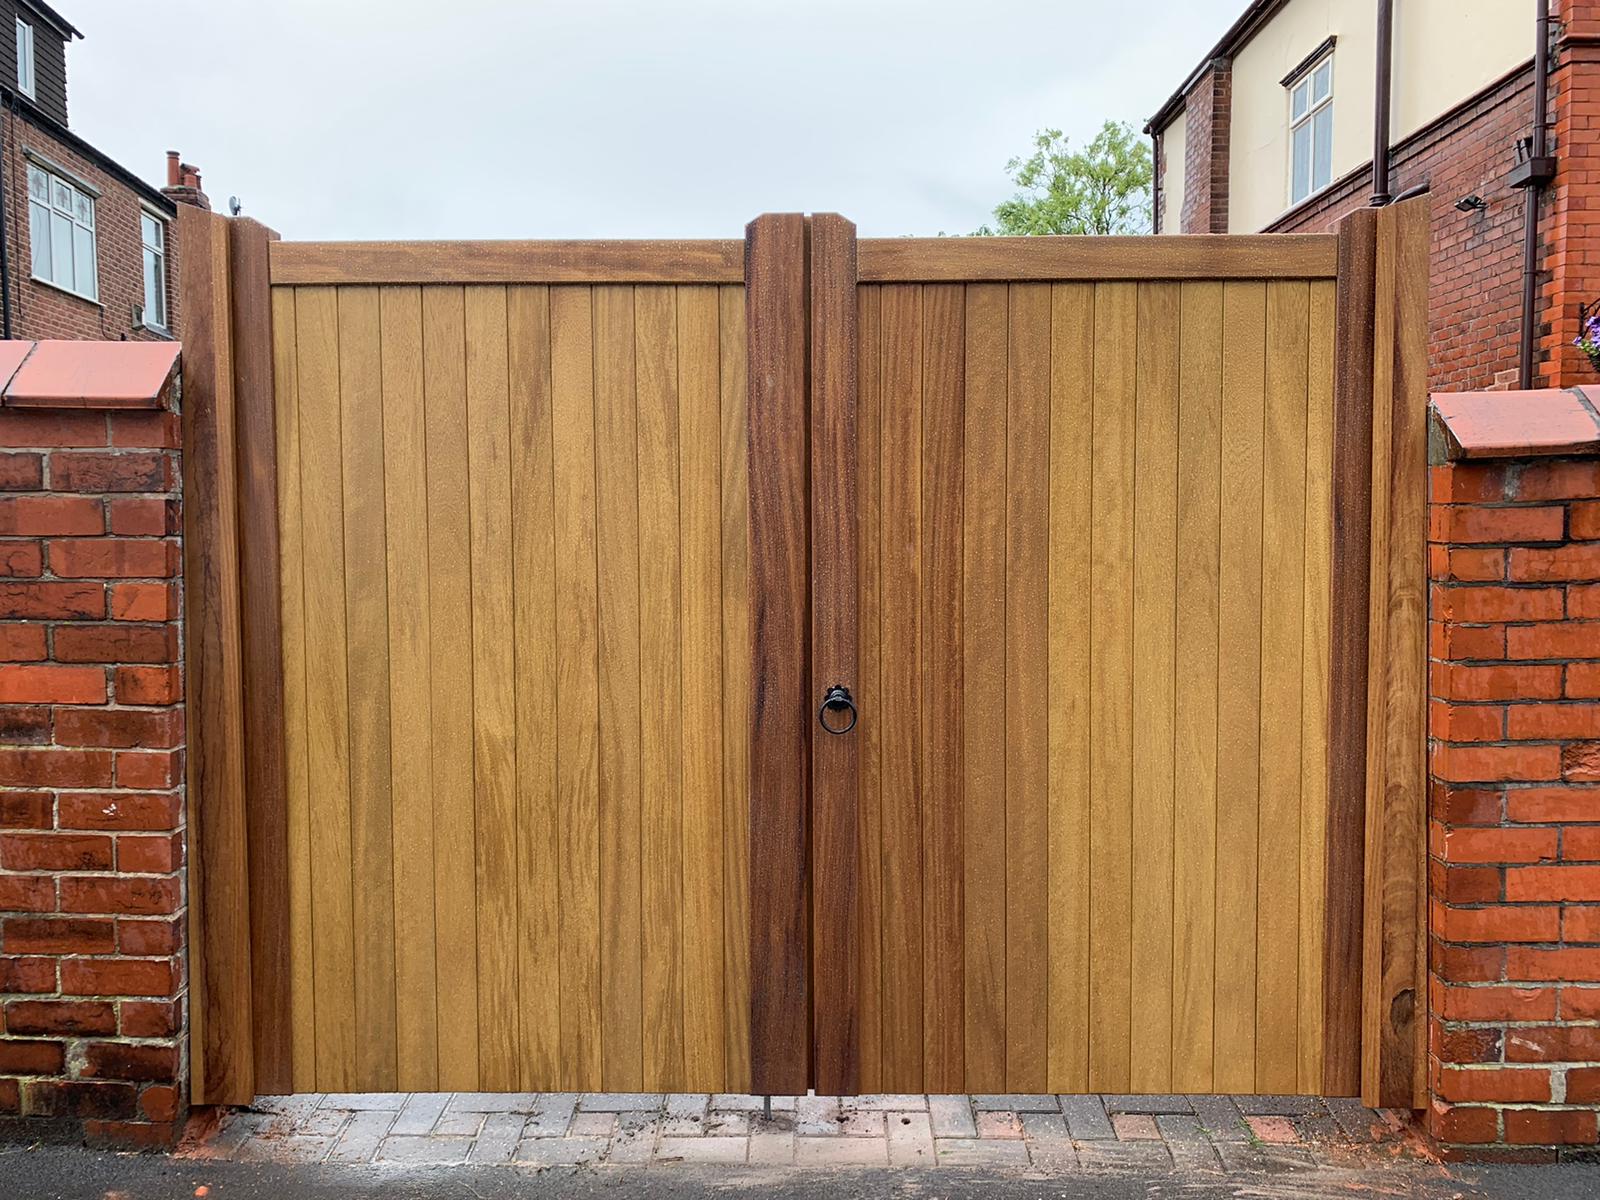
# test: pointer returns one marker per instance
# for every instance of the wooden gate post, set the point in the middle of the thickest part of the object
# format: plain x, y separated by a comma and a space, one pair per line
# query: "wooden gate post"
1394, 975
835, 654
780, 720
261, 647
1347, 651
221, 1057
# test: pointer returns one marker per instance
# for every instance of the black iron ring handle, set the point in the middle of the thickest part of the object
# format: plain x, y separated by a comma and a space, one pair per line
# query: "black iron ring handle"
834, 698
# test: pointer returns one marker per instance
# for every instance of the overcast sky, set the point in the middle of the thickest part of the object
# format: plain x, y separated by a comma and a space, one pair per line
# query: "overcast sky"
596, 118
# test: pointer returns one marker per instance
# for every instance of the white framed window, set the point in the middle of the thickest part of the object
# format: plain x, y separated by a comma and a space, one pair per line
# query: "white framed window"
1311, 131
61, 230
25, 74
153, 233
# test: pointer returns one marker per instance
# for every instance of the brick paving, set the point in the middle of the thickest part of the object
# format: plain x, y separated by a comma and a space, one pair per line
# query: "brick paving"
1050, 1134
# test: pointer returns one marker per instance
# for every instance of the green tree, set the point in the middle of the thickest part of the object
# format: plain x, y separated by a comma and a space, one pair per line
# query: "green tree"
1103, 188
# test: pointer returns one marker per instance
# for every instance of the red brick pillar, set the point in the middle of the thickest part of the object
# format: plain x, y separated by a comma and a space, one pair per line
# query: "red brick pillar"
92, 906
1207, 137
1571, 211
1514, 872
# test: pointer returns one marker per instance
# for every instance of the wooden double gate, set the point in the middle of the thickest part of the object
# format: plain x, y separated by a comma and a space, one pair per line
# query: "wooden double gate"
518, 575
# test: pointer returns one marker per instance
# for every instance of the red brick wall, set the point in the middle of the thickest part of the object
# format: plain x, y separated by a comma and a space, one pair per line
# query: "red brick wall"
1208, 112
92, 905
1514, 846
1476, 279
40, 311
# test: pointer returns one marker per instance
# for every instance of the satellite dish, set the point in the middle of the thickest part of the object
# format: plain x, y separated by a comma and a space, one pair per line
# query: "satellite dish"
234, 207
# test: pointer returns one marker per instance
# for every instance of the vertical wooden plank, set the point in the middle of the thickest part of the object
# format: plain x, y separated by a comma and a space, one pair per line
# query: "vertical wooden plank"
900, 648
835, 660
574, 423
297, 775
943, 481
983, 566
1111, 686
450, 674
780, 720
660, 687
1314, 708
367, 669
1195, 722
1072, 356
405, 482
533, 584
327, 705
700, 516
617, 532
1282, 615
1027, 690
223, 1068
1351, 534
494, 667
261, 653
1155, 682
733, 398
869, 828
1395, 958
1244, 308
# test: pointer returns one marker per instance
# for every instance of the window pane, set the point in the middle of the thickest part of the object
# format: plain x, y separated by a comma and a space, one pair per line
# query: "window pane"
1300, 102
39, 235
1301, 184
83, 209
83, 262
155, 300
60, 250
60, 195
150, 231
1322, 161
38, 185
1322, 81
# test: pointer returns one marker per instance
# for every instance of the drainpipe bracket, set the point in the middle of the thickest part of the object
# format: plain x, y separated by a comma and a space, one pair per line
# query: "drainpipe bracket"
1532, 172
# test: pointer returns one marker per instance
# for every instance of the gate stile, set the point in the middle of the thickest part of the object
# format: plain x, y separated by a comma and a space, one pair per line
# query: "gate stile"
949, 778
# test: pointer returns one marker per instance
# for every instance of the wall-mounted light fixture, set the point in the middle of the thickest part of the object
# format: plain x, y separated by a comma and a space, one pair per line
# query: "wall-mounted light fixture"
1471, 204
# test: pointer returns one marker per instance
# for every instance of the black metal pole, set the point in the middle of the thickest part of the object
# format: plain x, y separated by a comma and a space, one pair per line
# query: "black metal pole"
1382, 102
1535, 190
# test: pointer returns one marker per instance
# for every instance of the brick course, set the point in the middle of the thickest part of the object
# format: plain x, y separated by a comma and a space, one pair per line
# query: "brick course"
92, 892
1514, 845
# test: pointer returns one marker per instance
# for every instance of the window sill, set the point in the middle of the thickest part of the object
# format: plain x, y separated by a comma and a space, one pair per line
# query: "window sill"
66, 291
161, 331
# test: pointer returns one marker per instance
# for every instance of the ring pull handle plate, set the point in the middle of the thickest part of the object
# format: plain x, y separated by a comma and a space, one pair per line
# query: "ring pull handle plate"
836, 701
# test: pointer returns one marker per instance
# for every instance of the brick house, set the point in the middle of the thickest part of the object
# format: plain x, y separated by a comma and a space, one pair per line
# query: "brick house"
89, 250
1277, 130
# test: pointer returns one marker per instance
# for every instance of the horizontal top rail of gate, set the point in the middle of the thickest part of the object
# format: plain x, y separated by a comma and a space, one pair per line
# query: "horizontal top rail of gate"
664, 261
1203, 256
881, 260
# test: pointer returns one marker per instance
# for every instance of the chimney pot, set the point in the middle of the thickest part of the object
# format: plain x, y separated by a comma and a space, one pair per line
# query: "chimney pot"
173, 169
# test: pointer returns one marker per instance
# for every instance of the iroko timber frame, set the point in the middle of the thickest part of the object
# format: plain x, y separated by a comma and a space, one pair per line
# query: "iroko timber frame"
508, 262
221, 1009
800, 278
780, 716
265, 782
1347, 668
835, 653
1394, 975
1102, 259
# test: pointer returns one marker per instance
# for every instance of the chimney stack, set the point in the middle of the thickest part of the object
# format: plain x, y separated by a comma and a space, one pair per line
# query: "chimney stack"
183, 183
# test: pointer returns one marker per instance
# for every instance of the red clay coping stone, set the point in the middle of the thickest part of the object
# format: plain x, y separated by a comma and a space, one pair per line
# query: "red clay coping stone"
1538, 424
88, 374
